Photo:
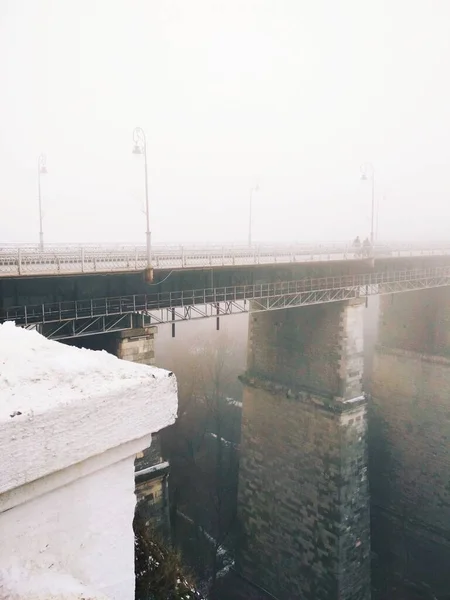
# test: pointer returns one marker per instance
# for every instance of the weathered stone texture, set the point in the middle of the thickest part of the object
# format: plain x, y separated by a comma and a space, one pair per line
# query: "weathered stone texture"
303, 489
416, 321
318, 347
410, 463
137, 345
303, 497
153, 500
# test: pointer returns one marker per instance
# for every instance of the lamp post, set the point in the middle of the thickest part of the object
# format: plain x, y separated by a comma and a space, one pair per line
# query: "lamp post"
253, 189
140, 147
368, 173
42, 170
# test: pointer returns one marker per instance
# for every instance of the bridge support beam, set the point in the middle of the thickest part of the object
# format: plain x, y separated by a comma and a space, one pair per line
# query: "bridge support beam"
303, 490
409, 440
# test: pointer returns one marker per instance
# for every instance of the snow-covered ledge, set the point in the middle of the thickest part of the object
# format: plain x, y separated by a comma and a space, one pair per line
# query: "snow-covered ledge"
71, 423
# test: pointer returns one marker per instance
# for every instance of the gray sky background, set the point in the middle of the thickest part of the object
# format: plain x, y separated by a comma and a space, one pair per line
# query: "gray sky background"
292, 94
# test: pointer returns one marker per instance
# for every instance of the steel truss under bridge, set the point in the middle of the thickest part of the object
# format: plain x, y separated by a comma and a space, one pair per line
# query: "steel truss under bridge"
87, 317
91, 326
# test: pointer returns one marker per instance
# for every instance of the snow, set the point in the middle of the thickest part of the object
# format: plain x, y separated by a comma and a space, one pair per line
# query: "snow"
37, 374
356, 399
154, 469
18, 583
234, 402
225, 442
62, 405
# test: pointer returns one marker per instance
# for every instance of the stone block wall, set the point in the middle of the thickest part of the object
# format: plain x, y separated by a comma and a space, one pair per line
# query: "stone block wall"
410, 465
303, 486
318, 347
152, 497
303, 496
151, 476
137, 345
417, 321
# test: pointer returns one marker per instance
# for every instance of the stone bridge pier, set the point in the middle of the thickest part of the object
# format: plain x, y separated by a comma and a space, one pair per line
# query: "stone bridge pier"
409, 439
303, 484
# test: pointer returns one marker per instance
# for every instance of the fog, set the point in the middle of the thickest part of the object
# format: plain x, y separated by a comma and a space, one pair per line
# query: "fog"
292, 95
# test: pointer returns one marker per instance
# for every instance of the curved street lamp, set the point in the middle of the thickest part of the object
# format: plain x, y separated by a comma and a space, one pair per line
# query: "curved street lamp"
140, 147
253, 189
42, 170
368, 174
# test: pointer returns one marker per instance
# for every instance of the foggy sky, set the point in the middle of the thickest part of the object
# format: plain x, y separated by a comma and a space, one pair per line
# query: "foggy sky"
291, 94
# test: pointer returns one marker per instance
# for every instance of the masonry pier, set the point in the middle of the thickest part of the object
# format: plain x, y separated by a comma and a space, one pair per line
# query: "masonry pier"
303, 484
137, 345
410, 440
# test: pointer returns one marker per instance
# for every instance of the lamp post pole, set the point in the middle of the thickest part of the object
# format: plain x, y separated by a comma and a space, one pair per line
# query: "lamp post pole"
368, 172
42, 170
253, 189
140, 147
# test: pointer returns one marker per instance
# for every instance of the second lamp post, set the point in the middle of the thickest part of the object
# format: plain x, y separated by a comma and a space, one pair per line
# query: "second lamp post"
42, 170
368, 173
140, 147
253, 189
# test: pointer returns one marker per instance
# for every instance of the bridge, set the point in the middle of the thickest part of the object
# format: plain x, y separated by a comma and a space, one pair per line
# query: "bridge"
306, 457
67, 319
30, 261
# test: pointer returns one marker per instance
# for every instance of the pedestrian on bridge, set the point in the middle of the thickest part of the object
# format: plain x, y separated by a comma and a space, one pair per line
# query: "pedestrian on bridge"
357, 246
366, 247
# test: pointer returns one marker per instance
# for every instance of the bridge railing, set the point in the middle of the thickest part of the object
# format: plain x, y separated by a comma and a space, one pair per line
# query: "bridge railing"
91, 259
96, 259
145, 303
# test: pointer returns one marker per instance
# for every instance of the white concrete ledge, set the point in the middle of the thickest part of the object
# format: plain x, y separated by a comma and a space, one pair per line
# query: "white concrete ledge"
73, 404
71, 424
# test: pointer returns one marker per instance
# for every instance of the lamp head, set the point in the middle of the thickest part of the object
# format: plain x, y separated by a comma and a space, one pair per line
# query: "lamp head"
137, 149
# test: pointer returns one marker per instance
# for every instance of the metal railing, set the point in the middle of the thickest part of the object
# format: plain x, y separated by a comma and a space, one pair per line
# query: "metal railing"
378, 282
60, 260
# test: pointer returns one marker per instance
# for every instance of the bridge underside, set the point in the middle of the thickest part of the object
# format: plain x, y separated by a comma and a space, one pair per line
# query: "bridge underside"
65, 319
38, 290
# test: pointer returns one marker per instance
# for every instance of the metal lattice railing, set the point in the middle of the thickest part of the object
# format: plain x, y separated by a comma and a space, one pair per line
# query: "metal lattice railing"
60, 260
187, 304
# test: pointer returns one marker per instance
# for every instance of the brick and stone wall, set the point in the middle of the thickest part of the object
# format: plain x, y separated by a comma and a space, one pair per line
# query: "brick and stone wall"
417, 321
137, 345
151, 478
318, 347
410, 439
303, 485
150, 456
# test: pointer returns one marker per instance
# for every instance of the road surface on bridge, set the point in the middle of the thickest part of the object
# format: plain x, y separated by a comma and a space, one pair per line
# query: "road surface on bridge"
30, 261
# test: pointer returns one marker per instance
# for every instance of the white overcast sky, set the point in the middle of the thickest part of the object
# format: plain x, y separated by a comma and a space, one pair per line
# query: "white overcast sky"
291, 94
